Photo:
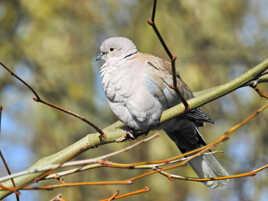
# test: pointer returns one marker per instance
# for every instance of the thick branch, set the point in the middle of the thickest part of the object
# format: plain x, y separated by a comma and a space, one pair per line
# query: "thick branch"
114, 131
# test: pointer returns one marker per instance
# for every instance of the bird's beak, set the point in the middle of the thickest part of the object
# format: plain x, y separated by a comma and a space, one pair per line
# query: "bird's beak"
99, 57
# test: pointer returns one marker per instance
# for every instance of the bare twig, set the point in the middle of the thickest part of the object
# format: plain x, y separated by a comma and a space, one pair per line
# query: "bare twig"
10, 189
21, 80
170, 55
38, 99
1, 109
99, 130
261, 94
140, 165
146, 189
73, 184
235, 176
113, 196
17, 193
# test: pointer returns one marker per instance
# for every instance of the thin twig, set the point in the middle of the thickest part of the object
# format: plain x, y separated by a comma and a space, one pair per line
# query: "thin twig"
170, 55
11, 189
99, 130
21, 80
17, 193
73, 184
179, 177
38, 99
101, 163
138, 165
261, 94
1, 109
113, 196
146, 189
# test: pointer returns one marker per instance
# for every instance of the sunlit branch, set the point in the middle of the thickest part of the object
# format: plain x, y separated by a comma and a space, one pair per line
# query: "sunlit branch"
77, 163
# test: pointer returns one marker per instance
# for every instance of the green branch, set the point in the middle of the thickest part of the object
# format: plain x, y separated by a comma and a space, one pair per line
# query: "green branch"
114, 131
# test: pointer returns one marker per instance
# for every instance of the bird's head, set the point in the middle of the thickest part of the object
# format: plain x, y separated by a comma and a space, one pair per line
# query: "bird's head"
116, 47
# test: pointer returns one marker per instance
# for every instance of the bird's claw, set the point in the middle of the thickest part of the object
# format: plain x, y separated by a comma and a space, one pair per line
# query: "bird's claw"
130, 134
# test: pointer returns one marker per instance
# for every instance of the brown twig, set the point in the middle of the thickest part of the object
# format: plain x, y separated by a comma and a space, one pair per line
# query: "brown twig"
261, 94
13, 190
1, 109
73, 184
235, 176
38, 99
146, 189
170, 55
136, 165
17, 193
99, 130
113, 196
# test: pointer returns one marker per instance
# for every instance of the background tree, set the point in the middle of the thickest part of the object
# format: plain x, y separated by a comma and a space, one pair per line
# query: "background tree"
53, 44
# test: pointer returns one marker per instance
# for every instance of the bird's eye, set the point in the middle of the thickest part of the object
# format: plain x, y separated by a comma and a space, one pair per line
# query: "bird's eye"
111, 49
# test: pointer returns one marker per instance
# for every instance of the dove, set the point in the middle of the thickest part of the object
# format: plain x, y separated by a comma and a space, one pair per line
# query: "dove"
138, 88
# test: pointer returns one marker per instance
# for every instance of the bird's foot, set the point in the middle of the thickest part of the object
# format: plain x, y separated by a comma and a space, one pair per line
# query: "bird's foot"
130, 134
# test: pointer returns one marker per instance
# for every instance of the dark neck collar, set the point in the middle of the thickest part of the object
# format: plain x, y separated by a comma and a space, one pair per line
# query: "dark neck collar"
130, 54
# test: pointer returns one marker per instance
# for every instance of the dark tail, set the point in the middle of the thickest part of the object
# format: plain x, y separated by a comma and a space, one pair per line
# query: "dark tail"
187, 137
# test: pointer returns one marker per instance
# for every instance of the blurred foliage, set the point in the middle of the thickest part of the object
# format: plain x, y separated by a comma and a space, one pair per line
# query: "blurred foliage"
53, 44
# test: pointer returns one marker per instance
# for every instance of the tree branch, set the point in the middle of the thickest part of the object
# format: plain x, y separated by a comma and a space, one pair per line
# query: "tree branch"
76, 163
170, 55
17, 193
37, 98
114, 131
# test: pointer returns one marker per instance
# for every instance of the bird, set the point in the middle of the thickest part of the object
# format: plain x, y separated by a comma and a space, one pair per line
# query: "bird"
138, 88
